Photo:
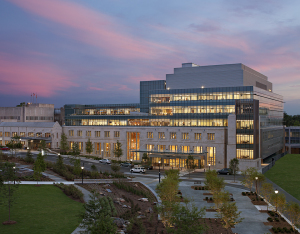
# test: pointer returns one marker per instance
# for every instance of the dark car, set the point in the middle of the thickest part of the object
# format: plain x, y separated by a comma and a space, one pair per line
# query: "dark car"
5, 148
150, 168
224, 171
126, 164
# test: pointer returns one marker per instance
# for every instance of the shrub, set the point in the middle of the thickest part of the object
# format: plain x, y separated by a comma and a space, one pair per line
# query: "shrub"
210, 198
277, 219
262, 199
71, 190
243, 193
270, 219
206, 198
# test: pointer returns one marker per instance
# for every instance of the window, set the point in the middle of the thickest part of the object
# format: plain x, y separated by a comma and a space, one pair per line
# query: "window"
107, 149
47, 135
97, 147
198, 149
22, 134
197, 136
149, 134
71, 132
211, 155
106, 133
150, 147
172, 135
30, 134
161, 148
210, 136
88, 133
116, 134
14, 134
161, 135
79, 133
173, 148
185, 149
1, 135
97, 133
39, 134
7, 134
185, 136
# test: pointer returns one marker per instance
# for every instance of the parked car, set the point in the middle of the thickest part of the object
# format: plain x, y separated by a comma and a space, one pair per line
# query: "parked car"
138, 169
224, 171
150, 168
5, 148
126, 164
107, 161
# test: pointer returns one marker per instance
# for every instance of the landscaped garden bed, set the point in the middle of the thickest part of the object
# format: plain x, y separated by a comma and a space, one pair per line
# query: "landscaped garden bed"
215, 226
199, 187
279, 224
256, 200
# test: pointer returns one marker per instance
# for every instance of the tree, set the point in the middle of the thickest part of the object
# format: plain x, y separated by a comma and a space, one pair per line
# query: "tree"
279, 201
60, 163
234, 167
186, 219
29, 157
217, 185
146, 160
8, 190
249, 177
75, 149
14, 144
293, 212
89, 147
190, 164
230, 214
64, 147
75, 160
266, 191
220, 198
210, 176
42, 145
115, 167
39, 167
118, 152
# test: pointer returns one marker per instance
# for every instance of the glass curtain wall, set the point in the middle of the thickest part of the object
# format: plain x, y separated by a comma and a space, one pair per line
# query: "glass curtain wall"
133, 143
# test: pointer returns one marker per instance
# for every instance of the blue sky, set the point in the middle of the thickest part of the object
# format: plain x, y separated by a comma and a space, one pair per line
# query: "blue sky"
88, 51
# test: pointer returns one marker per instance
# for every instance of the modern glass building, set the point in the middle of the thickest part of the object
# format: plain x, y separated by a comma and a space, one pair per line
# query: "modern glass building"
292, 139
230, 110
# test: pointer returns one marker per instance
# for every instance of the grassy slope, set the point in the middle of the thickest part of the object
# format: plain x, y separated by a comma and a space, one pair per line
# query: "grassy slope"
44, 209
286, 174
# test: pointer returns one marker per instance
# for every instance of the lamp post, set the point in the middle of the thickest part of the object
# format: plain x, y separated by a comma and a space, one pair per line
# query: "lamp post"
14, 175
256, 178
102, 153
159, 171
209, 166
82, 173
131, 165
276, 192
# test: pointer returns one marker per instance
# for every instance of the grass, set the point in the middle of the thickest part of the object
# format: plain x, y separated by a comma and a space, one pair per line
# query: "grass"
44, 209
285, 174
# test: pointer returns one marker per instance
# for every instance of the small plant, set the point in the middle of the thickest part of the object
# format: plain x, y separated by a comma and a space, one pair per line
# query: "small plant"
206, 198
243, 193
277, 219
210, 198
270, 219
262, 199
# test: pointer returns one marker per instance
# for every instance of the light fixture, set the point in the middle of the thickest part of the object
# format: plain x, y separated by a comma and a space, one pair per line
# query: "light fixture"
276, 191
202, 87
82, 168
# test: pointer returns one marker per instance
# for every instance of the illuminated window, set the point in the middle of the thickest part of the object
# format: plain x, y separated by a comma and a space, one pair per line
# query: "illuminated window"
211, 155
173, 135
79, 133
149, 134
161, 148
22, 134
7, 134
97, 133
161, 135
39, 134
185, 149
197, 136
116, 134
210, 136
30, 134
185, 136
71, 132
14, 134
150, 147
88, 133
47, 134
198, 149
1, 135
173, 148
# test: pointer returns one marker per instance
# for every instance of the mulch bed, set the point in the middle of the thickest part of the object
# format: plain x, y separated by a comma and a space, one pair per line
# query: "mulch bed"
215, 226
211, 210
279, 223
150, 222
9, 222
199, 187
253, 199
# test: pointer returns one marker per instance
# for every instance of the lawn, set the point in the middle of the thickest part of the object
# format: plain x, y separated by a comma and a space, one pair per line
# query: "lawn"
286, 174
44, 209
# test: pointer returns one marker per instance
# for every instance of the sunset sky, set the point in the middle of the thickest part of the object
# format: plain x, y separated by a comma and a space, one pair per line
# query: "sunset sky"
97, 51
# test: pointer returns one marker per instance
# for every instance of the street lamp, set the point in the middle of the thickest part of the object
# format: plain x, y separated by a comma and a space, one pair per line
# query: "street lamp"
131, 165
82, 173
276, 192
14, 175
159, 171
209, 166
256, 178
102, 153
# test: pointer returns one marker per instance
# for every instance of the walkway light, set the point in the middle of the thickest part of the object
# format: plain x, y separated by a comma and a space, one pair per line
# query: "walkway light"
159, 171
82, 173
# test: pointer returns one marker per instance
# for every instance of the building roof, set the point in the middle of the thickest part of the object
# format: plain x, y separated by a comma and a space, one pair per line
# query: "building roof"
28, 124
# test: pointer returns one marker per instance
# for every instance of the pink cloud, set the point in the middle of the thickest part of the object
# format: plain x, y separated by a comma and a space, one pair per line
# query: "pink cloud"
92, 28
95, 88
25, 77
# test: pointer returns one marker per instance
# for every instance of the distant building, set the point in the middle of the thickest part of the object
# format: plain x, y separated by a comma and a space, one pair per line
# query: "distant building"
31, 133
59, 115
214, 113
292, 139
30, 112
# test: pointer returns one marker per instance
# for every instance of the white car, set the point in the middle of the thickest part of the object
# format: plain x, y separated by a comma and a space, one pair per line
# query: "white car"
107, 161
138, 169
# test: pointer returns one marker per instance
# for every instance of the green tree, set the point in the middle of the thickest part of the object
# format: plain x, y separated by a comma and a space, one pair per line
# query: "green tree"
190, 164
249, 177
234, 167
220, 198
266, 191
293, 212
146, 160
210, 176
186, 219
64, 146
29, 157
60, 163
75, 149
89, 147
217, 184
279, 201
118, 152
8, 190
42, 145
75, 160
230, 214
14, 144
39, 167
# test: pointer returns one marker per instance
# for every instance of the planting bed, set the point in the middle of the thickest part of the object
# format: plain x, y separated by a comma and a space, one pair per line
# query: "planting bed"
199, 187
215, 226
279, 224
253, 199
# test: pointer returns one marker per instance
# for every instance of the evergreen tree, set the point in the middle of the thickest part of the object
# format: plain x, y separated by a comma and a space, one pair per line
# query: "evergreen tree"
75, 149
230, 214
64, 147
60, 163
89, 147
